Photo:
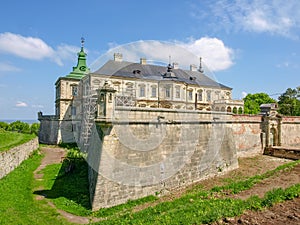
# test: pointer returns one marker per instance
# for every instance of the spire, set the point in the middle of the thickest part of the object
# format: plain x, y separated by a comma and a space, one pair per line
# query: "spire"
169, 65
200, 66
169, 73
81, 69
82, 42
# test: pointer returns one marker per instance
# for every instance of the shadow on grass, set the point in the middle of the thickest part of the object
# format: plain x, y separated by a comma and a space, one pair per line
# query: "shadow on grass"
71, 183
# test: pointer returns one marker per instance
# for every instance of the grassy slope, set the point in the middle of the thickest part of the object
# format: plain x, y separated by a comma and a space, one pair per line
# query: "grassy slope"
195, 207
70, 192
11, 139
17, 204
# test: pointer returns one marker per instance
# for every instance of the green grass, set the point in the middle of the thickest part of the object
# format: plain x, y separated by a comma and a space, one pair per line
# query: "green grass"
9, 140
200, 209
69, 192
17, 203
235, 187
195, 207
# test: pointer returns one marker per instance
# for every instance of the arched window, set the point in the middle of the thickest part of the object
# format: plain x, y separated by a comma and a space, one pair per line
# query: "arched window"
234, 110
240, 110
228, 109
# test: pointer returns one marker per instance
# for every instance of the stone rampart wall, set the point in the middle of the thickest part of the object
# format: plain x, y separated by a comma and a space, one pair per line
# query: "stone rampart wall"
54, 131
49, 128
290, 131
9, 160
143, 152
247, 135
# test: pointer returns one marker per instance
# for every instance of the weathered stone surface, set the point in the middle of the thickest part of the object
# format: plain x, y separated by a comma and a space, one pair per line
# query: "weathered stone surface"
144, 151
147, 151
9, 160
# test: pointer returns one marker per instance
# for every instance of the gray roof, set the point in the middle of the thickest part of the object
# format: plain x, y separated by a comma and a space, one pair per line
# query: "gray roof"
155, 72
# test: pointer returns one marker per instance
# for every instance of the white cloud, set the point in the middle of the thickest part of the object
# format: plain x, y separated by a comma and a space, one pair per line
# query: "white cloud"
34, 49
278, 17
216, 56
25, 47
213, 51
8, 67
21, 104
244, 94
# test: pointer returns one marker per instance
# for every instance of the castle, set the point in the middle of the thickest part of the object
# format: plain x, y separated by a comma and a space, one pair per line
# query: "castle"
148, 129
136, 85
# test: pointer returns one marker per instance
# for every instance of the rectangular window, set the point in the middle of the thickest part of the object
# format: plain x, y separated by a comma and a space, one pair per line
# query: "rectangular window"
177, 94
190, 95
199, 95
74, 128
142, 91
74, 90
153, 91
208, 96
73, 111
168, 92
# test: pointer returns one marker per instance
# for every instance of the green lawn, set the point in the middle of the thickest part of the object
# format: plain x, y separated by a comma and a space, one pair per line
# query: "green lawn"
17, 203
9, 140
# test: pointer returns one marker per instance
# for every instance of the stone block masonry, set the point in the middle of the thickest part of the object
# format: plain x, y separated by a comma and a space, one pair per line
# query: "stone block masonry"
9, 160
144, 152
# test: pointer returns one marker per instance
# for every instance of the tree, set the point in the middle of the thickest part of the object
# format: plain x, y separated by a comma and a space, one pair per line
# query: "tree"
34, 128
289, 102
252, 102
4, 125
19, 126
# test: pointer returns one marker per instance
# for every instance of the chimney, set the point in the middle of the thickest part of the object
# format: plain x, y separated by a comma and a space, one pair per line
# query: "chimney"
175, 66
143, 61
193, 67
118, 57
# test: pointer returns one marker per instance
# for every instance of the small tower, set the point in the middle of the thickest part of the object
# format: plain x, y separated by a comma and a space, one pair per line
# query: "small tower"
67, 87
81, 69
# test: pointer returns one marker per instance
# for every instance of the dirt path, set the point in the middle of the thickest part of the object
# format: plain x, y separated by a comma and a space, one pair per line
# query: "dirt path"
55, 155
52, 156
286, 213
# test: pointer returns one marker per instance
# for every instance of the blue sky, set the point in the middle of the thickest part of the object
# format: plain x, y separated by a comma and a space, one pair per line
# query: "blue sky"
251, 46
